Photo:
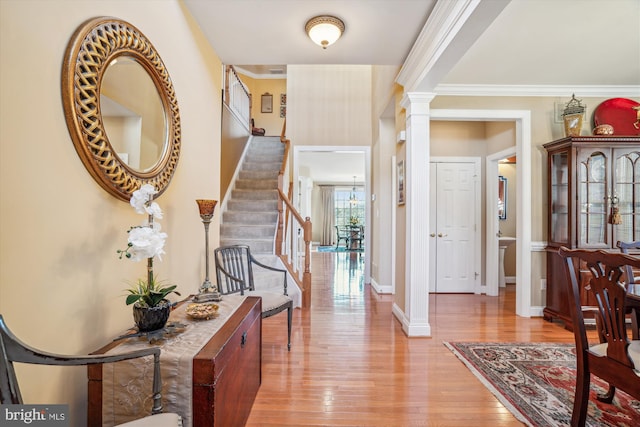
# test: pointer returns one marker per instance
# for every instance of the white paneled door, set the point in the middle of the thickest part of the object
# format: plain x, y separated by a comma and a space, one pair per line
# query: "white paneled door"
453, 234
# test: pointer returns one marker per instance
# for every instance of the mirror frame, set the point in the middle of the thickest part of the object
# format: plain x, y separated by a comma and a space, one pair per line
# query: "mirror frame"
93, 46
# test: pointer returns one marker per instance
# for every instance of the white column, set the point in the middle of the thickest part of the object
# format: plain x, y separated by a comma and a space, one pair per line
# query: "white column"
417, 107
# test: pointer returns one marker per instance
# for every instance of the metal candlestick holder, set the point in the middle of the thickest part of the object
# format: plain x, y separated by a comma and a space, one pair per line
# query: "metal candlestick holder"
208, 291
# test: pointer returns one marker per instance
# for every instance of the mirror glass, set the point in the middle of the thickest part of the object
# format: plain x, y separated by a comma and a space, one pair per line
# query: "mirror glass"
133, 114
502, 197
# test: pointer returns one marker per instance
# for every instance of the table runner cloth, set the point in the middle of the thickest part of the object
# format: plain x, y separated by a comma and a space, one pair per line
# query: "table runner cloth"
127, 385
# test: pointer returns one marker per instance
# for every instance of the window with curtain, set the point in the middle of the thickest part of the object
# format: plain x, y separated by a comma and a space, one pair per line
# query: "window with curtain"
349, 206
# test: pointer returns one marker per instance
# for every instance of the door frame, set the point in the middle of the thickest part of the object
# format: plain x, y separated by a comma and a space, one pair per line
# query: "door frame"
367, 187
477, 264
492, 222
522, 119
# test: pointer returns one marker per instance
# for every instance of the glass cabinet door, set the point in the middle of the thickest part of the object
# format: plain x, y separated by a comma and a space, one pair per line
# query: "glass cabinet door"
626, 194
593, 200
559, 209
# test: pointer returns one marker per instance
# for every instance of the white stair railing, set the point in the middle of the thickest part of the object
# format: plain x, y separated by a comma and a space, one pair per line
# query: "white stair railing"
237, 96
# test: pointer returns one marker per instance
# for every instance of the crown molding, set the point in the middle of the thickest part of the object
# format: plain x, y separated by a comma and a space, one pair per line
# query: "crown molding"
537, 90
443, 23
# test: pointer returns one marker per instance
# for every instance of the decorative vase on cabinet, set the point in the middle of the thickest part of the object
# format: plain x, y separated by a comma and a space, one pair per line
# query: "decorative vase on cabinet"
589, 178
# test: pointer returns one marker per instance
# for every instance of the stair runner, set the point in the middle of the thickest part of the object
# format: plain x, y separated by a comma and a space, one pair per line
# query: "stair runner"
251, 214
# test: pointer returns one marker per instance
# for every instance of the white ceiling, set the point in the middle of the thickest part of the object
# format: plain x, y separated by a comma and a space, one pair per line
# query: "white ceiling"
545, 43
262, 32
325, 167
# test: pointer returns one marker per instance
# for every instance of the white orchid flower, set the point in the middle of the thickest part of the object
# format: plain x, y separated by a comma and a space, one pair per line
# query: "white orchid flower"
154, 210
146, 242
142, 197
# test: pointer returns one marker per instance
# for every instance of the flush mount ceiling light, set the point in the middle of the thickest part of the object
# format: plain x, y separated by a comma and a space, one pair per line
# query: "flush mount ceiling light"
324, 30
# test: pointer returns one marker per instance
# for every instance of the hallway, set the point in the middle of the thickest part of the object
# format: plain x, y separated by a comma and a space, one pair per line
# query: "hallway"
351, 365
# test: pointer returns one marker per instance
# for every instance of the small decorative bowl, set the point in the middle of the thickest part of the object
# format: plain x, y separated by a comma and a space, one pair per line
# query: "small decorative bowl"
202, 311
603, 130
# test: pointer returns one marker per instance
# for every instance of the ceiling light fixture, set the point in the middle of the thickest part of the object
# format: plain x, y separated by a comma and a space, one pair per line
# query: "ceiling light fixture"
353, 199
324, 30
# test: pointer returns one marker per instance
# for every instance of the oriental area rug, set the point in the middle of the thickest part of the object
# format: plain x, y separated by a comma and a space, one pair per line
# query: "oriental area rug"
536, 382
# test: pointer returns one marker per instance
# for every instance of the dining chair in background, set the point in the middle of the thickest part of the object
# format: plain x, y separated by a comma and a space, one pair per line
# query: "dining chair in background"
342, 233
632, 280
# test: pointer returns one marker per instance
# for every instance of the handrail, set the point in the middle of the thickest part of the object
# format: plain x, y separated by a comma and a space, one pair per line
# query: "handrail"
237, 96
288, 239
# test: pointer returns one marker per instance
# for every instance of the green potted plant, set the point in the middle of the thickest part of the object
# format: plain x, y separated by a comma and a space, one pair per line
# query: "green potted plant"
151, 307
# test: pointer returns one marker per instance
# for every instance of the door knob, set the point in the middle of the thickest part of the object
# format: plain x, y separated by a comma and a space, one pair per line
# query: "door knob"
433, 234
442, 235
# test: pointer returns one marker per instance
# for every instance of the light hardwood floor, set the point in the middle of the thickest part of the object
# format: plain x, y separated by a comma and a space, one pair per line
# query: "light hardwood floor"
351, 365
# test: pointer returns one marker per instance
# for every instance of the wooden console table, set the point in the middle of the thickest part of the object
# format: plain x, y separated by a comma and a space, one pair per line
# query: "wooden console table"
227, 372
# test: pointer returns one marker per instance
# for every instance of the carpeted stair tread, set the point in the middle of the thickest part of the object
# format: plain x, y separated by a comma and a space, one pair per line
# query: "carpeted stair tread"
256, 184
251, 213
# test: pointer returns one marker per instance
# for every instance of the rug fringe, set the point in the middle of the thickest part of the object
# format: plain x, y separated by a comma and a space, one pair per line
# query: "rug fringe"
514, 410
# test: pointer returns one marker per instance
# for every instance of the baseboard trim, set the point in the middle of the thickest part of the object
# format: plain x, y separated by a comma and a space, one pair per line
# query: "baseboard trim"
381, 289
535, 311
411, 330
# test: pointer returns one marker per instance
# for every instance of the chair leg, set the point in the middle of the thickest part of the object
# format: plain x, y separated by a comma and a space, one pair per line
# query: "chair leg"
608, 396
581, 400
289, 317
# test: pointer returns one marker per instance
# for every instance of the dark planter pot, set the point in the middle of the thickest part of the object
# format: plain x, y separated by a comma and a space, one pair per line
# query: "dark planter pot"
151, 318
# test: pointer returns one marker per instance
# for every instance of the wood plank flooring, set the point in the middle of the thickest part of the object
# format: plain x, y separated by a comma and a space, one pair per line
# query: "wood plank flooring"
351, 365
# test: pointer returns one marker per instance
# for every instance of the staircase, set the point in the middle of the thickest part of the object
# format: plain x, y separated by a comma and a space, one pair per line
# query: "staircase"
251, 213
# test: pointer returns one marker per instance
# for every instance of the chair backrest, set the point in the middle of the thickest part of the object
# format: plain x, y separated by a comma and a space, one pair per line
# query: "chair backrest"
13, 350
234, 272
607, 269
624, 248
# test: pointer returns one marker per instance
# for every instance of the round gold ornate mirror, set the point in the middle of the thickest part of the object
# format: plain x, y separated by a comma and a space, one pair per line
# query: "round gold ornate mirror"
120, 107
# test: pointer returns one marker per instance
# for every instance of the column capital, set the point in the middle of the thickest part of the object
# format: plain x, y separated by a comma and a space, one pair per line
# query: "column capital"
417, 102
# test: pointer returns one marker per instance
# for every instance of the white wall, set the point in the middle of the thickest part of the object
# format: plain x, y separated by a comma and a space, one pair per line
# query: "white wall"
61, 282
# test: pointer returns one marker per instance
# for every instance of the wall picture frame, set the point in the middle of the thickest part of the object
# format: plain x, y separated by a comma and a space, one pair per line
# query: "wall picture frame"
266, 103
400, 182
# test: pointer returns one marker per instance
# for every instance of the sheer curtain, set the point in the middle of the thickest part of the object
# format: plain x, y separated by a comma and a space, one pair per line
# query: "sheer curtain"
328, 207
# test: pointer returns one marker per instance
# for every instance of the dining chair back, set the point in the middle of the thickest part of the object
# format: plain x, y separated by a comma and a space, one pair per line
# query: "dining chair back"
342, 233
632, 280
12, 350
633, 248
616, 359
357, 237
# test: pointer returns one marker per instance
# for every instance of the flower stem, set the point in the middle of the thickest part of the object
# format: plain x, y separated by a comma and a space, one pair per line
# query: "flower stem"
150, 260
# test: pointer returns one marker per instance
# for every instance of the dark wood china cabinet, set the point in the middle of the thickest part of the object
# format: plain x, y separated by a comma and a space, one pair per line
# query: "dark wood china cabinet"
589, 178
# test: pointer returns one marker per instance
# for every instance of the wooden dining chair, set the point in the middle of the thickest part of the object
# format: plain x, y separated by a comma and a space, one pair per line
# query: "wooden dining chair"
625, 247
12, 350
234, 272
342, 233
616, 359
357, 237
631, 279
